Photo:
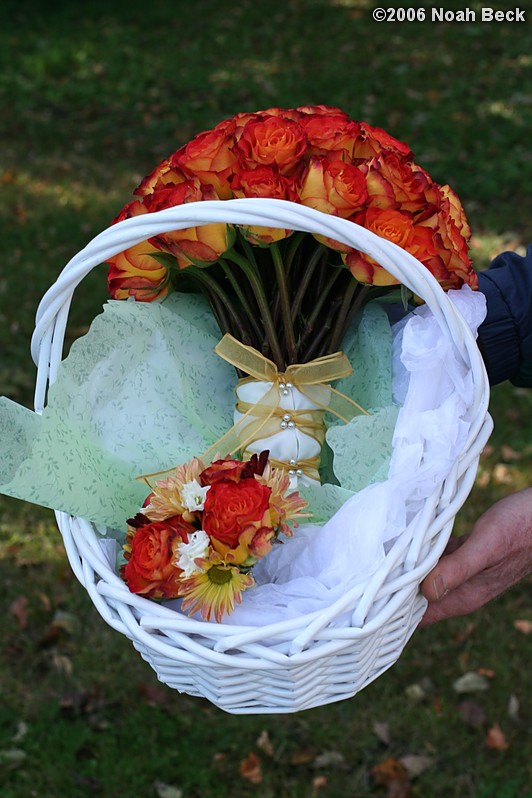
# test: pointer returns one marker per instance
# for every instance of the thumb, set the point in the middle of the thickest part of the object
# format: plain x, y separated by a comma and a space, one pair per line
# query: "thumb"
453, 569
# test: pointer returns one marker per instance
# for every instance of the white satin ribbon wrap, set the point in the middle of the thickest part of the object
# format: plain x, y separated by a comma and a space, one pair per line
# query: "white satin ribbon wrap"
290, 445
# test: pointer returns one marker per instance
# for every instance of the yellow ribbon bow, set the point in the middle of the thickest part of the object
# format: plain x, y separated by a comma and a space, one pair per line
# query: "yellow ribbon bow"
260, 420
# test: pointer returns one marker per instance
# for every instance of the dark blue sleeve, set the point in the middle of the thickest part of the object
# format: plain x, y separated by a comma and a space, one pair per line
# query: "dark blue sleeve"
505, 337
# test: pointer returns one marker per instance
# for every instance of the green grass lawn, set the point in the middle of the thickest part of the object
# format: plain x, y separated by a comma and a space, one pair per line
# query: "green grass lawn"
93, 96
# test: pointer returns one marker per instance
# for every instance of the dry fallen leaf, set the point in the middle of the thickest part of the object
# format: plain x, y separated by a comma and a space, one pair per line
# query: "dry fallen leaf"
496, 739
382, 730
502, 475
163, 790
508, 454
318, 783
416, 764
463, 634
513, 708
471, 683
329, 759
388, 771
250, 769
19, 610
264, 743
489, 673
472, 714
523, 626
303, 756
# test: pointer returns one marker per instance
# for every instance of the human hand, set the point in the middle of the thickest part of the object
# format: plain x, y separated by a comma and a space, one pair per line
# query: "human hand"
476, 567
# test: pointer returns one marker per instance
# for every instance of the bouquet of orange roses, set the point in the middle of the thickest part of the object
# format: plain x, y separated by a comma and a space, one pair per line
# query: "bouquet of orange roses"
292, 296
202, 529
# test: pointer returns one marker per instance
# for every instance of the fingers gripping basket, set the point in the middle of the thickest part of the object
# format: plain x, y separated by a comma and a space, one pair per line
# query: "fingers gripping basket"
307, 661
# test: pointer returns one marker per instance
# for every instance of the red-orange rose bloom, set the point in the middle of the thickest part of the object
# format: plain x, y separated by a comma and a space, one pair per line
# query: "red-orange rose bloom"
272, 141
375, 140
210, 158
333, 187
231, 507
150, 568
264, 181
389, 224
134, 272
199, 245
395, 183
331, 133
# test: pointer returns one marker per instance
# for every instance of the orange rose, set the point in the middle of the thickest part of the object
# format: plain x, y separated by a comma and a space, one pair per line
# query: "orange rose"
321, 110
150, 552
264, 181
210, 158
162, 176
456, 211
233, 507
194, 245
331, 133
375, 140
334, 187
389, 224
395, 183
440, 246
134, 272
272, 141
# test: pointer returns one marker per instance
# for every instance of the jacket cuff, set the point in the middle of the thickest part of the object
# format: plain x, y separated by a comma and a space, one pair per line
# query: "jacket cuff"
498, 335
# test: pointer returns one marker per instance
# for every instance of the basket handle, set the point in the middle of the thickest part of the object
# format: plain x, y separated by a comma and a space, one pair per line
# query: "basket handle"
52, 313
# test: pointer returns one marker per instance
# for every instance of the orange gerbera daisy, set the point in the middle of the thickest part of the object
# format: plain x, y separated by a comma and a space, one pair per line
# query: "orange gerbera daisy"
215, 589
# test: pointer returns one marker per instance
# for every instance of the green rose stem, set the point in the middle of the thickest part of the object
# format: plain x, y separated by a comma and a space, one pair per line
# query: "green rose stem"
314, 317
284, 298
340, 324
319, 253
291, 261
246, 307
215, 290
251, 272
317, 346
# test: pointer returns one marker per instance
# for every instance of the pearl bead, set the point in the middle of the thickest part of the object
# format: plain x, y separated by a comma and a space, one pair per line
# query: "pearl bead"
283, 425
289, 385
293, 462
282, 385
285, 392
299, 472
286, 417
291, 472
291, 424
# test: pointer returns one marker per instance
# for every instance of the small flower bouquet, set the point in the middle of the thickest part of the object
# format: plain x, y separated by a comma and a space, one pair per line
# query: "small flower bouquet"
202, 529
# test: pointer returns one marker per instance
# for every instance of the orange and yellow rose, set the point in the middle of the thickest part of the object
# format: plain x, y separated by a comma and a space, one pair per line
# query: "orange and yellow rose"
233, 507
150, 554
200, 245
135, 272
272, 141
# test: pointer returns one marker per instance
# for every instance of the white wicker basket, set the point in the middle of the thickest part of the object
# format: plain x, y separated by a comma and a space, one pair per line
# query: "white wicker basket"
312, 663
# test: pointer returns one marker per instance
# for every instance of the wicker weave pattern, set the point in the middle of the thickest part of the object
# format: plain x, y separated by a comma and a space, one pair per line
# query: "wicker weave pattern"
307, 661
